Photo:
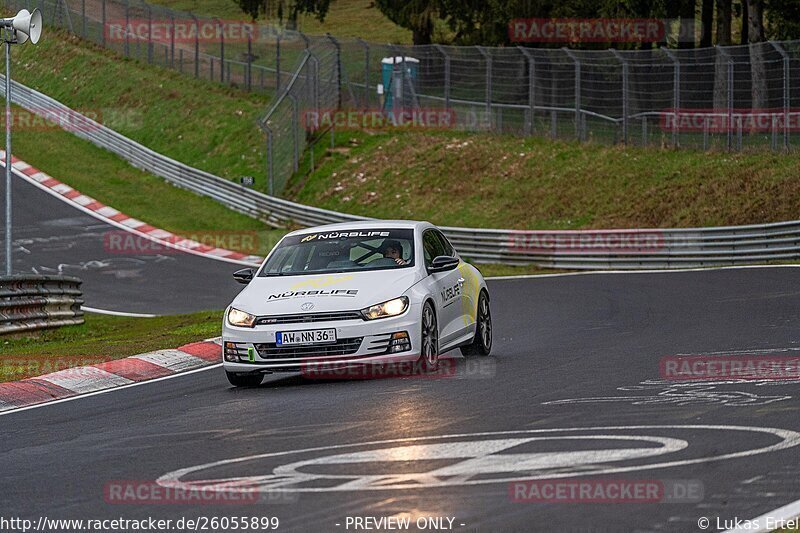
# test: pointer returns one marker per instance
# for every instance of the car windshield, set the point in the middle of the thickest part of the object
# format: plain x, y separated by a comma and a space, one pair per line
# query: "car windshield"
341, 251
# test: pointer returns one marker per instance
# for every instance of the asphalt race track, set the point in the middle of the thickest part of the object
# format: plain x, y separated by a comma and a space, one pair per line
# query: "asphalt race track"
51, 237
573, 389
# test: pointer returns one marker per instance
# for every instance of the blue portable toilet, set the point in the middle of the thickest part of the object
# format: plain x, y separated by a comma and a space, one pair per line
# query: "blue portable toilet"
392, 76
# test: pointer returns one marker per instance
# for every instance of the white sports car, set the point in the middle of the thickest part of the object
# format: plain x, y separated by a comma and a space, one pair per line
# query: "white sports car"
355, 294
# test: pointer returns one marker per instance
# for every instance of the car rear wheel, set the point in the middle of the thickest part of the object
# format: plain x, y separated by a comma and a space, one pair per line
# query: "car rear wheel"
429, 358
244, 380
482, 343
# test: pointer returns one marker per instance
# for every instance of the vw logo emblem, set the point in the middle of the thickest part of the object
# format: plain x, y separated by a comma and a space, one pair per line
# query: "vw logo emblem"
308, 306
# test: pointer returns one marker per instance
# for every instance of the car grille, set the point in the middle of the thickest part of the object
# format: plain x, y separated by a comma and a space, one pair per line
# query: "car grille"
307, 318
270, 350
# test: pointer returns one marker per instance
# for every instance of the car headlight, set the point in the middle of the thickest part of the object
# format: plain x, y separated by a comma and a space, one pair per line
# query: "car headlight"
394, 307
240, 318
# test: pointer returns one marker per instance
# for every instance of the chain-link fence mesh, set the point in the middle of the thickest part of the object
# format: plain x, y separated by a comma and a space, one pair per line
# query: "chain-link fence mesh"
737, 97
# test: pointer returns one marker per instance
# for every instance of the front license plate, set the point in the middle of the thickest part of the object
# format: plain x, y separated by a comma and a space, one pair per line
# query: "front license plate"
312, 336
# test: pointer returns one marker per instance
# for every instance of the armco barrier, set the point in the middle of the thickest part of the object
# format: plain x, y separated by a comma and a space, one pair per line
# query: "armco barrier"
38, 302
590, 249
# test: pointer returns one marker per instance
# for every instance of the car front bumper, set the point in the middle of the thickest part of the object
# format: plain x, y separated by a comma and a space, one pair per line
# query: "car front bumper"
359, 342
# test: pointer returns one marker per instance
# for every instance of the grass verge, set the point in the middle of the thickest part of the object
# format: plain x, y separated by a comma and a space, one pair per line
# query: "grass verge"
497, 181
200, 123
100, 338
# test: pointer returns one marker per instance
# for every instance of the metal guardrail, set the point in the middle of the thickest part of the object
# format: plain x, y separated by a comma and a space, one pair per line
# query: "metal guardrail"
38, 302
588, 249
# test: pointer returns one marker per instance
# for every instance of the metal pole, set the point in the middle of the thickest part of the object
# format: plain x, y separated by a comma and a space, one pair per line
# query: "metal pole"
442, 51
196, 47
127, 25
676, 92
786, 94
278, 64
8, 158
366, 72
249, 63
172, 41
338, 48
578, 118
488, 75
83, 17
149, 34
531, 89
103, 16
729, 125
270, 169
221, 52
625, 95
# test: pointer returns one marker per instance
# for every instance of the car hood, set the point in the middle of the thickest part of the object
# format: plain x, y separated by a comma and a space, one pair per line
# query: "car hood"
322, 293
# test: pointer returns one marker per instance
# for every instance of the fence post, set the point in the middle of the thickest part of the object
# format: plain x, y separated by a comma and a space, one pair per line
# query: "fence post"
338, 70
786, 93
172, 40
578, 118
270, 169
196, 47
295, 132
625, 95
729, 126
83, 17
531, 88
249, 62
221, 51
676, 92
149, 34
366, 72
278, 63
103, 18
442, 51
127, 25
488, 76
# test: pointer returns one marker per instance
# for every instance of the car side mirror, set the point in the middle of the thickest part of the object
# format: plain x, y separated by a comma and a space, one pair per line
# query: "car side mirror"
443, 263
244, 275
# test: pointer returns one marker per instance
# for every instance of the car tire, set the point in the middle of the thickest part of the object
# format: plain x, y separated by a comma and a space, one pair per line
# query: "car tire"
429, 349
244, 380
482, 342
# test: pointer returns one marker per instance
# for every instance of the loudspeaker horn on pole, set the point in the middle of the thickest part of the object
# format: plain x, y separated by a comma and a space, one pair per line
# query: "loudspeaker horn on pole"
26, 25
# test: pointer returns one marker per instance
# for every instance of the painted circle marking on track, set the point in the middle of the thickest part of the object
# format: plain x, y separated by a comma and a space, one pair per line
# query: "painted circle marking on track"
488, 454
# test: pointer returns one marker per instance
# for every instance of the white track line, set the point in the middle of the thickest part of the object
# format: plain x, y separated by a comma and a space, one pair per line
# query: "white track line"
116, 313
664, 271
78, 397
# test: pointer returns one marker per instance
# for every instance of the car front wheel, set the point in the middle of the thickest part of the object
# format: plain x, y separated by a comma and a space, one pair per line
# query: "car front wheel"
430, 338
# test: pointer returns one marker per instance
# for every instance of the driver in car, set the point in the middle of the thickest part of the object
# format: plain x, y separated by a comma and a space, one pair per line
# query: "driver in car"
392, 249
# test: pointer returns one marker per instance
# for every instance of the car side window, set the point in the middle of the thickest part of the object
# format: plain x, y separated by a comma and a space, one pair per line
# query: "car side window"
446, 246
432, 247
